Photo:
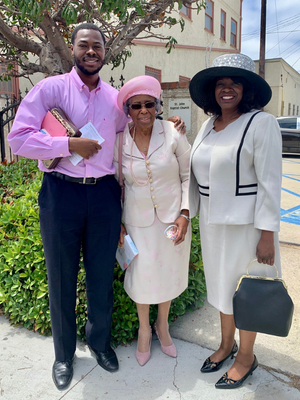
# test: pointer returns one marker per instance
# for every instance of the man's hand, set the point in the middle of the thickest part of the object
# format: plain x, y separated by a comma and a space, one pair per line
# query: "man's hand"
178, 123
86, 148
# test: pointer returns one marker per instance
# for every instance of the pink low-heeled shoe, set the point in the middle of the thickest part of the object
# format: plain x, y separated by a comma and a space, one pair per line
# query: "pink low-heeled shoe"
143, 358
168, 350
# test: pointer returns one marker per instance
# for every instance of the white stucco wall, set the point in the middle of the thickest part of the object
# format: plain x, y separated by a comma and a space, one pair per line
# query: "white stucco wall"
285, 85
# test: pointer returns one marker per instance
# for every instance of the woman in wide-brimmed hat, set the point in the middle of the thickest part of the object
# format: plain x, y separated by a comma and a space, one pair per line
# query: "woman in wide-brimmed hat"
155, 168
235, 182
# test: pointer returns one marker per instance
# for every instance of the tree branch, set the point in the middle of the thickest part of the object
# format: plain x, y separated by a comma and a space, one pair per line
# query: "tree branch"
18, 41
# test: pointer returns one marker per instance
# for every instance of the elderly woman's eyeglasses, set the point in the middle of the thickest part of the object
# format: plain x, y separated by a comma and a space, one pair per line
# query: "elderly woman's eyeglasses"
138, 106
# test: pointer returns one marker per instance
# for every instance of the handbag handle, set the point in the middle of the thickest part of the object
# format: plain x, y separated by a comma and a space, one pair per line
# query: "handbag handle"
257, 261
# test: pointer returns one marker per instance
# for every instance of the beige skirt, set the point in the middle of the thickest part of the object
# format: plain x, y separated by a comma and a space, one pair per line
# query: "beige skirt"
160, 271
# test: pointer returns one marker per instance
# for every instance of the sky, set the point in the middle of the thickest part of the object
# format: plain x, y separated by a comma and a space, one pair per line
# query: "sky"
282, 30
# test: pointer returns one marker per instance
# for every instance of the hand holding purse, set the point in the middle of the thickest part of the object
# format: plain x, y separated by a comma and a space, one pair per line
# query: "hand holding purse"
262, 304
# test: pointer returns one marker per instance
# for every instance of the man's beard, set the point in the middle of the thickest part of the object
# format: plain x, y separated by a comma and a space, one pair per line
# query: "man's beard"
85, 71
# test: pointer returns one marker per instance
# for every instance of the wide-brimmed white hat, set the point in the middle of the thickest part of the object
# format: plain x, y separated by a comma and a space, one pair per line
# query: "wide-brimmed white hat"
230, 65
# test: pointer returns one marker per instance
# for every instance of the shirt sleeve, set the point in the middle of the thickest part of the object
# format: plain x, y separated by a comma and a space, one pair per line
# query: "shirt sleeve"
25, 137
268, 168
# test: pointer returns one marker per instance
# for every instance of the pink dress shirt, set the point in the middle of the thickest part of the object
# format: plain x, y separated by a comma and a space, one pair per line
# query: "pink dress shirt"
82, 106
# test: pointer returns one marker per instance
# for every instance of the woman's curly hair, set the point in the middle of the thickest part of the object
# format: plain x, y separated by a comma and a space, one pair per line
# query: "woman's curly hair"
249, 100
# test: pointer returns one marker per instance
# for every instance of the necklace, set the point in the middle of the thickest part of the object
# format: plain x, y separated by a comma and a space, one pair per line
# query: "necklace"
131, 170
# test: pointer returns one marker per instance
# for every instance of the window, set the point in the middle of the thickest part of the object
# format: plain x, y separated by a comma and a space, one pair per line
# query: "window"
223, 25
156, 73
288, 123
297, 110
233, 33
186, 11
8, 87
289, 110
209, 11
294, 108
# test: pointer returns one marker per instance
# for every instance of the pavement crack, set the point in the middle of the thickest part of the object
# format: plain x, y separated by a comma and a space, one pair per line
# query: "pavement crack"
174, 379
82, 377
294, 379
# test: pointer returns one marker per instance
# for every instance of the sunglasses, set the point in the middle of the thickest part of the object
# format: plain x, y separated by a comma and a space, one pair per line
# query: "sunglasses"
138, 106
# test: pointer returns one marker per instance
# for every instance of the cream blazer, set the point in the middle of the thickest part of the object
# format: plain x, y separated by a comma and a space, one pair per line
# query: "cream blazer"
168, 164
245, 173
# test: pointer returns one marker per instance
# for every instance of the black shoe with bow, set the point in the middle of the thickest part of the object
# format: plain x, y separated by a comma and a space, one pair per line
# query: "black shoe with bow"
107, 360
62, 373
213, 366
228, 383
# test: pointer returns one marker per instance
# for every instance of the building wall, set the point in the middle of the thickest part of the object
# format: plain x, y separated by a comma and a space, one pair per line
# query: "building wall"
285, 85
189, 55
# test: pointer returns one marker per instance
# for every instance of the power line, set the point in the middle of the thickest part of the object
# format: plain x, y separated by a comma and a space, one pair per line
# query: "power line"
274, 28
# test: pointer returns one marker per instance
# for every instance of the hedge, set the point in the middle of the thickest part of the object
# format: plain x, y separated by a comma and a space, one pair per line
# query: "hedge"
23, 279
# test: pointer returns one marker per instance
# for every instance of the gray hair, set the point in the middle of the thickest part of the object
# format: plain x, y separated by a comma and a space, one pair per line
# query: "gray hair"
157, 106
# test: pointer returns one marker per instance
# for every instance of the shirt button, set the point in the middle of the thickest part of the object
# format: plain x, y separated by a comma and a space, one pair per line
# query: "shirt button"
151, 189
80, 90
153, 197
91, 102
61, 154
155, 205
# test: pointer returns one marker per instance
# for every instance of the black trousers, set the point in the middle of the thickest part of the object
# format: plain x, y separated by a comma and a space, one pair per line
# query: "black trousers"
75, 216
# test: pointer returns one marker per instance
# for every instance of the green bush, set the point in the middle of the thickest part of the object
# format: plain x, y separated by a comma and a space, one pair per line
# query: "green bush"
23, 279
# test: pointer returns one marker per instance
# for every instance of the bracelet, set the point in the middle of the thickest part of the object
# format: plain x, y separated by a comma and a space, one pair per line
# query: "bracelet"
184, 216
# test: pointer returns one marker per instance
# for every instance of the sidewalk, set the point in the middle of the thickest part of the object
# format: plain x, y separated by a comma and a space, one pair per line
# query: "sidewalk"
26, 358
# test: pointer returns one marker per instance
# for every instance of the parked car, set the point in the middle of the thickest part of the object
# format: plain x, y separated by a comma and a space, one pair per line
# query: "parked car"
290, 131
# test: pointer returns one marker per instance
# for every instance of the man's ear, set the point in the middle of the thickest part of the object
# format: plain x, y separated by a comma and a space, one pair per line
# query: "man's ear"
71, 47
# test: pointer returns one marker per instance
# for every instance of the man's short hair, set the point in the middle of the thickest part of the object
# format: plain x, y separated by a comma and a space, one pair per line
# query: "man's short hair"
86, 25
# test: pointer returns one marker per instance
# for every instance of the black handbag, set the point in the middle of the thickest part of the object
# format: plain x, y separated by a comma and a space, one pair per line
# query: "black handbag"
262, 304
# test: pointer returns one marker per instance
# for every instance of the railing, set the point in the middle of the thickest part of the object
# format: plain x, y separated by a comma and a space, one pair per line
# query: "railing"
7, 115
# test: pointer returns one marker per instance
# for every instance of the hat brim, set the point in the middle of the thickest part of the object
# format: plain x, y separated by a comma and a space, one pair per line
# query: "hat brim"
200, 81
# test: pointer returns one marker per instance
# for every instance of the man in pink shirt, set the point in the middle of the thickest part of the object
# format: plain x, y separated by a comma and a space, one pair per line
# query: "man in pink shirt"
79, 205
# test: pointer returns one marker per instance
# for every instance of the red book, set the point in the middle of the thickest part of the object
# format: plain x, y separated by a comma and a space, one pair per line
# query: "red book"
57, 123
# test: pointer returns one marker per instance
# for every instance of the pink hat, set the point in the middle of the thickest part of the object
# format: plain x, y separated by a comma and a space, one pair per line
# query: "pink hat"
143, 84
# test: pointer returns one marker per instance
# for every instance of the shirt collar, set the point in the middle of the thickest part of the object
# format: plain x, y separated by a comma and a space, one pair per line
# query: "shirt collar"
78, 82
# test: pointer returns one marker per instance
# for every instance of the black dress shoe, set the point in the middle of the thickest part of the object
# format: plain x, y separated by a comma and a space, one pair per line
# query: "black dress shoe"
62, 373
107, 360
212, 366
227, 383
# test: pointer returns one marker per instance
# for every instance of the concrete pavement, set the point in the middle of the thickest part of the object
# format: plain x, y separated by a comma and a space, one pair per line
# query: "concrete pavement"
26, 358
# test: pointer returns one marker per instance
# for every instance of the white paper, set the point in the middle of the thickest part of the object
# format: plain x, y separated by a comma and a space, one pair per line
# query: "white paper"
90, 132
127, 253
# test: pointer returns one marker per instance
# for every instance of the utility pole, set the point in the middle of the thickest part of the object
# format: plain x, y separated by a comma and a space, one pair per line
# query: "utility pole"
262, 51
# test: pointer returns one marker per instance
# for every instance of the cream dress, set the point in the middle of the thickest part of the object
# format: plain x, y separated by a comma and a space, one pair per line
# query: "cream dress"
226, 249
160, 271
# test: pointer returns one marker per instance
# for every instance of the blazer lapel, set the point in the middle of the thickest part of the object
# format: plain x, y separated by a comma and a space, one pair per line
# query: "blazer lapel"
128, 143
204, 131
157, 137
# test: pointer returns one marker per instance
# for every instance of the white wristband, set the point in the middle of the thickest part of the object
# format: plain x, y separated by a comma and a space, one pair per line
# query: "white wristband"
184, 216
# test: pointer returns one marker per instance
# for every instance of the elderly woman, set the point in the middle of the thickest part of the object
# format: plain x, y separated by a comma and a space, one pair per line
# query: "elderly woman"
236, 181
155, 168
